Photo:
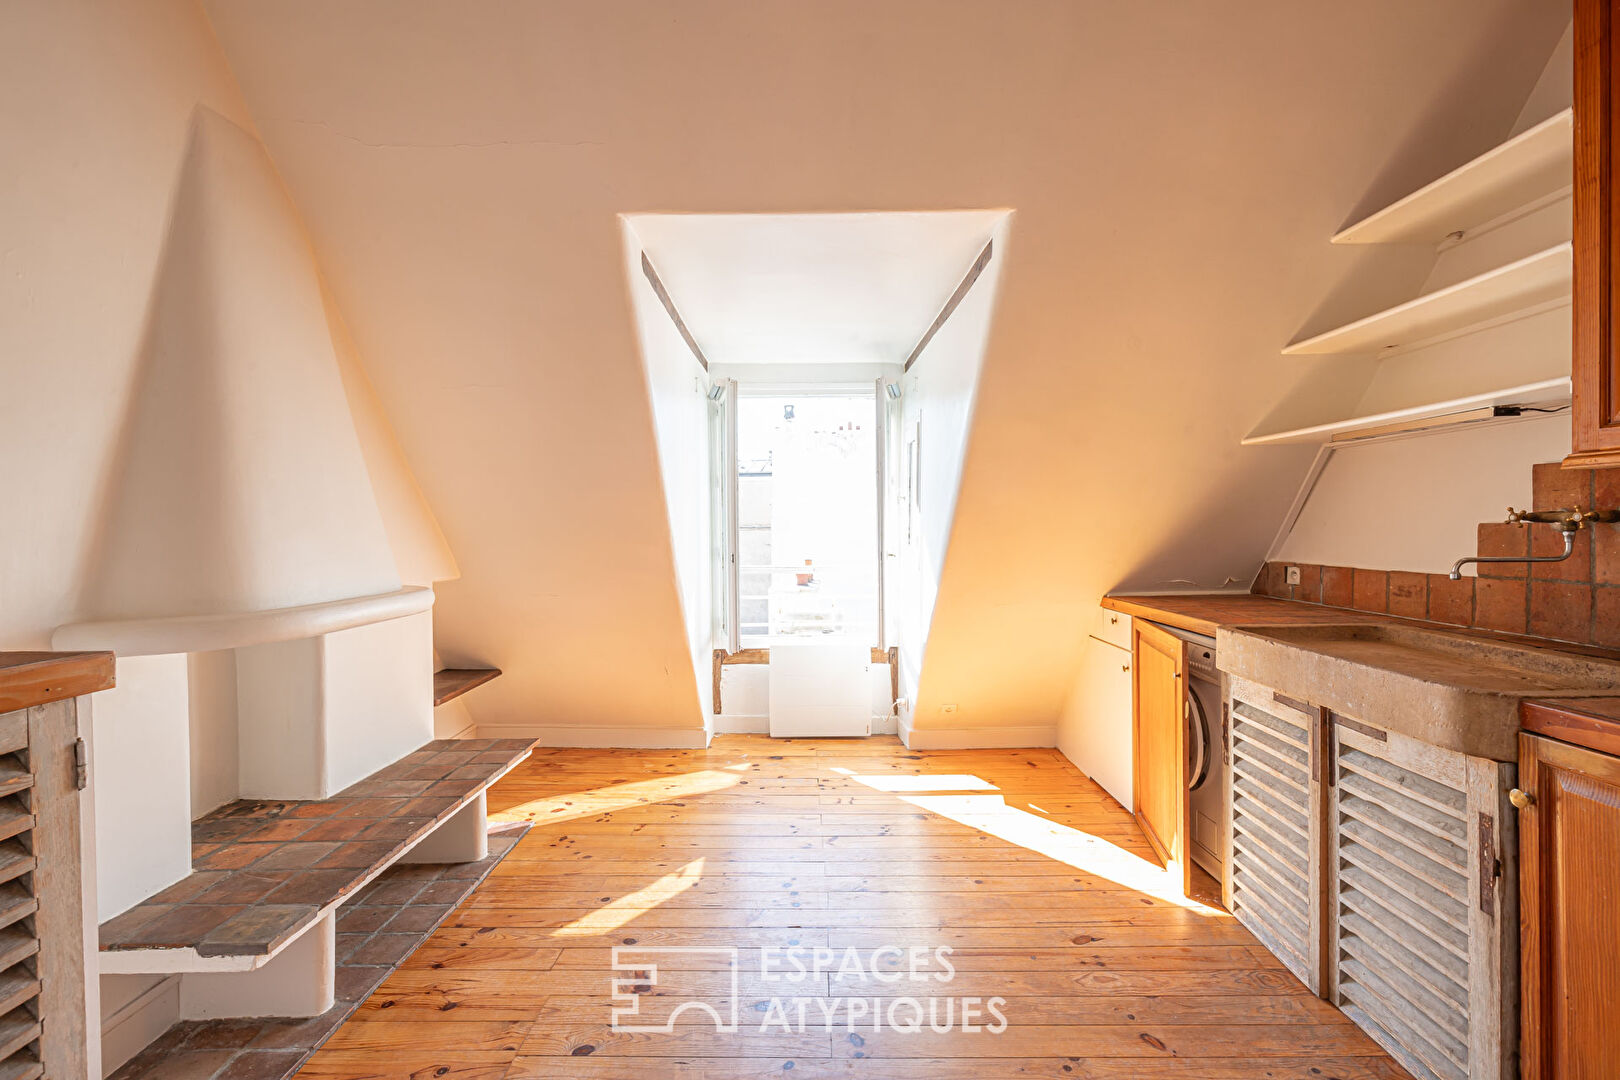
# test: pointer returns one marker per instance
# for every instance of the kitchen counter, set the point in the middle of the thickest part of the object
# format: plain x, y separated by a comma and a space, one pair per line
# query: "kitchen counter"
1592, 722
1204, 613
1452, 687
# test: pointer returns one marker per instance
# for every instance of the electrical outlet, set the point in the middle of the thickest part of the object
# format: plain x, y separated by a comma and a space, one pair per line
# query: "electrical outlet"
1291, 575
947, 708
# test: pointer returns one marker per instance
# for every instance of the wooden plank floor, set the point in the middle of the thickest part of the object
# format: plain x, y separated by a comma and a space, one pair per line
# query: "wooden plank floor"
1037, 882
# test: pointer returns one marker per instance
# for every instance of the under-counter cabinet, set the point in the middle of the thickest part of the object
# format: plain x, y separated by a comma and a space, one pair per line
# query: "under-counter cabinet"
42, 924
1421, 917
1569, 887
1273, 880
1378, 869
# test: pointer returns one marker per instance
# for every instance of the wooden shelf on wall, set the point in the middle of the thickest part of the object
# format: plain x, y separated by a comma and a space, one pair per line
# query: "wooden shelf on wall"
451, 683
1518, 288
1532, 167
1548, 393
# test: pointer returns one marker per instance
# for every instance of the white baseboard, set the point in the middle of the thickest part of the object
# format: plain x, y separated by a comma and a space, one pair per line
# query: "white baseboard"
985, 738
625, 738
138, 1023
741, 724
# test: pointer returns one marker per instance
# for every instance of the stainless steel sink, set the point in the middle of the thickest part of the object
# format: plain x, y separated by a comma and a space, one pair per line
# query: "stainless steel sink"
1445, 688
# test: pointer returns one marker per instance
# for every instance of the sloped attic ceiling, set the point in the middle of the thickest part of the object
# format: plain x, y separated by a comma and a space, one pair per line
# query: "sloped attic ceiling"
1176, 169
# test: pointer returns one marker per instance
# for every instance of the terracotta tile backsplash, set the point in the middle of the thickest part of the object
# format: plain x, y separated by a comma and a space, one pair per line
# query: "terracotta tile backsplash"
1336, 587
1576, 600
1408, 594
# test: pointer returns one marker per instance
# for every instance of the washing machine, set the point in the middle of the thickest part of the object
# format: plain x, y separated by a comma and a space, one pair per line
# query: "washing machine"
1207, 759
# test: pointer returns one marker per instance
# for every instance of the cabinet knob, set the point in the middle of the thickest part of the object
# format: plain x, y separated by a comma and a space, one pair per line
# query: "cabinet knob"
1113, 618
1124, 667
1520, 799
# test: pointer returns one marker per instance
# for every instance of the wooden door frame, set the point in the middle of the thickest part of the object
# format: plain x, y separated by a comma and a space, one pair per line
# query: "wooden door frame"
1178, 849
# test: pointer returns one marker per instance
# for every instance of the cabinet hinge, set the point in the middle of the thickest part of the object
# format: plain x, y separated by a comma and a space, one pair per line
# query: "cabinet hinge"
81, 765
1490, 867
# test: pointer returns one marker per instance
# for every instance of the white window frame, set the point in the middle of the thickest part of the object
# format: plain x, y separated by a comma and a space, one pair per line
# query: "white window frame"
730, 570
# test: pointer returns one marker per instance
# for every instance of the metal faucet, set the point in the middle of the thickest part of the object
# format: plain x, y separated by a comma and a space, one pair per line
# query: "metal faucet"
1567, 522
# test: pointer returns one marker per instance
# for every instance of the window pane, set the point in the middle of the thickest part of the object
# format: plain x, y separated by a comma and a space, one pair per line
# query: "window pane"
807, 518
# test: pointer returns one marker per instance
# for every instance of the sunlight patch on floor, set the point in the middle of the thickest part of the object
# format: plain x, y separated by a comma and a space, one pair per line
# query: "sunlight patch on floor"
944, 782
593, 801
1063, 843
621, 910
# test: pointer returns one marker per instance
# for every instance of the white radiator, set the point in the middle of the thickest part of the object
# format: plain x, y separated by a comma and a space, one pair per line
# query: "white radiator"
821, 689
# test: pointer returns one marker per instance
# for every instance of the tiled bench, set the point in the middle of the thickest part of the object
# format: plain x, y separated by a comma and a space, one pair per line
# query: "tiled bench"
265, 873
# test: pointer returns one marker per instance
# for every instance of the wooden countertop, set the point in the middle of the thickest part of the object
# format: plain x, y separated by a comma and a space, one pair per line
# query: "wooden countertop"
34, 678
1203, 613
1592, 722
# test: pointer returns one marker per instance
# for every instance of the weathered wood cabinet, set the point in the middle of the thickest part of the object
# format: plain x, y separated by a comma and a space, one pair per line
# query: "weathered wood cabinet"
1378, 869
1274, 872
1596, 358
42, 918
1421, 917
1569, 888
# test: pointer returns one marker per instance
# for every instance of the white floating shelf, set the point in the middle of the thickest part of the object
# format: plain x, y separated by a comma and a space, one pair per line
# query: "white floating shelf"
1487, 298
1522, 172
1472, 408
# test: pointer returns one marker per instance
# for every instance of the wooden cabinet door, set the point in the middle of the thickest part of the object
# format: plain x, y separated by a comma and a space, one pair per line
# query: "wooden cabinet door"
1596, 360
1569, 891
1159, 745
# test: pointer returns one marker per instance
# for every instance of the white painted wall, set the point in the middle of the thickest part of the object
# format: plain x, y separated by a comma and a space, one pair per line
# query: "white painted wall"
1168, 244
422, 556
317, 714
378, 696
142, 782
676, 390
239, 484
453, 720
110, 276
280, 705
96, 103
135, 1009
936, 416
215, 747
1416, 504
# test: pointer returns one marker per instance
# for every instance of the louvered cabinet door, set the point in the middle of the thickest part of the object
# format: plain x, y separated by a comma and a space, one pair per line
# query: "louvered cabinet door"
42, 1004
1422, 934
1273, 805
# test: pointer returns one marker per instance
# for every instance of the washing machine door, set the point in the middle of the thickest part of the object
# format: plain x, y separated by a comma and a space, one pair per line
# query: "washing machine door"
1197, 740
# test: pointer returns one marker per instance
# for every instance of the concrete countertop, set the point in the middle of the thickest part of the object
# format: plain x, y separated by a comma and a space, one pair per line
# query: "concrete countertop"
1421, 696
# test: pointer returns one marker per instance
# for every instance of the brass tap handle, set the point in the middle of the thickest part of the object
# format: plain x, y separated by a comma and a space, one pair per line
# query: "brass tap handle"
1520, 799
